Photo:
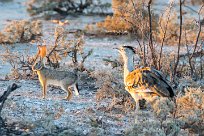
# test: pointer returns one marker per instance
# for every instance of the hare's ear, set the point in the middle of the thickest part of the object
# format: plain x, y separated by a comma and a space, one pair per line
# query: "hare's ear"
42, 51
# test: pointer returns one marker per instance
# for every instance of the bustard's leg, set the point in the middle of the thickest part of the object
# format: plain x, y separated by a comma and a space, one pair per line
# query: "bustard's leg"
136, 98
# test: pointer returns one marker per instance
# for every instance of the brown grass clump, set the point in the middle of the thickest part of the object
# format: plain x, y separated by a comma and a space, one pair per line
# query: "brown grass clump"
20, 31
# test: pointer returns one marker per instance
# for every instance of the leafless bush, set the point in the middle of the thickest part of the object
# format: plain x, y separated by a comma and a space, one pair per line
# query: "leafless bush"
63, 47
66, 7
21, 65
128, 17
21, 31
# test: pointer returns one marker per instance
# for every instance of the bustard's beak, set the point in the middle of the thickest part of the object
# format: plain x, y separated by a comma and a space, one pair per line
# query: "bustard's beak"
117, 49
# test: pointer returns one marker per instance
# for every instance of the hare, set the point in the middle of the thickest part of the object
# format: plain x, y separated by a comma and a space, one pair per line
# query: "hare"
64, 79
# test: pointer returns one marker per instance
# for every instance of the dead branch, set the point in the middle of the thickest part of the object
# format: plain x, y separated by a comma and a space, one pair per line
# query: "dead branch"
65, 7
54, 48
4, 97
62, 7
180, 34
188, 55
150, 35
201, 62
164, 36
198, 35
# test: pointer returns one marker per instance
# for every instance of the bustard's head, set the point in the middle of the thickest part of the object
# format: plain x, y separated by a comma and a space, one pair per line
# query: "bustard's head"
126, 51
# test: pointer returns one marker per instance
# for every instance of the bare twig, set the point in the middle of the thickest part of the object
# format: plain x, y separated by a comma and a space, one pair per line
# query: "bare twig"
201, 61
198, 35
55, 46
164, 36
179, 43
188, 54
150, 35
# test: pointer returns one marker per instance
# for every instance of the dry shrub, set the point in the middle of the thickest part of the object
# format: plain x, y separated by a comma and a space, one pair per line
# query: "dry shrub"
64, 47
190, 110
132, 16
170, 24
21, 65
128, 16
20, 31
186, 117
66, 7
163, 107
114, 24
167, 67
110, 85
190, 30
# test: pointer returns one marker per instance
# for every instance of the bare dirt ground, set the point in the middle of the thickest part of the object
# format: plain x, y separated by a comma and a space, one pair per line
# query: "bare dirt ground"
81, 116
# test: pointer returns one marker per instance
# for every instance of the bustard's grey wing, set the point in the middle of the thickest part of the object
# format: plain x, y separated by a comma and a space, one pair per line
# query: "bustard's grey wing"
148, 78
159, 84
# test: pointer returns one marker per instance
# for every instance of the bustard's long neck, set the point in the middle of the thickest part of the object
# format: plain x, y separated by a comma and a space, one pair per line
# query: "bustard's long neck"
128, 65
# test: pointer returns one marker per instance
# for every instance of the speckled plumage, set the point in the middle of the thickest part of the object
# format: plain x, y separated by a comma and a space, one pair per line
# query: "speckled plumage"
144, 81
149, 78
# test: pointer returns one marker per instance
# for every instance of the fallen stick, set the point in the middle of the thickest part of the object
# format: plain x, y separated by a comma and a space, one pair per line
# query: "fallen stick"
4, 97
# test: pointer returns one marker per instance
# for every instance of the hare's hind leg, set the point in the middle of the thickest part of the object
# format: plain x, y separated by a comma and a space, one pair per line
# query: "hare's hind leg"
76, 89
69, 92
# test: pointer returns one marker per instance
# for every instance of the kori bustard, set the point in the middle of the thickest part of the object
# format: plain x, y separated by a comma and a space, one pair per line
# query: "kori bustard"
142, 82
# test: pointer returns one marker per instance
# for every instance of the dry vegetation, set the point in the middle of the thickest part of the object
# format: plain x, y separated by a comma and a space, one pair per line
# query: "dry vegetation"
182, 116
63, 8
60, 49
153, 31
128, 17
110, 88
132, 16
20, 31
